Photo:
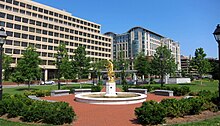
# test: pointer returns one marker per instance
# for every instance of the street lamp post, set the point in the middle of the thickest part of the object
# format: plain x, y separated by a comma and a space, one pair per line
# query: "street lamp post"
59, 60
3, 37
217, 38
161, 70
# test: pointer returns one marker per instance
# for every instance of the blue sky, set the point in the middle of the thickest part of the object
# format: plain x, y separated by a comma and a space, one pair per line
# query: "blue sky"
190, 22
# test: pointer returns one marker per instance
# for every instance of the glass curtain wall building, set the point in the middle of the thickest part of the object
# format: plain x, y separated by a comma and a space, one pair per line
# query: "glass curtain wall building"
138, 39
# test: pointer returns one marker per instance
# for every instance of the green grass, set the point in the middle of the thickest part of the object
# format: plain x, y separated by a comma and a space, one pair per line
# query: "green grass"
22, 89
195, 86
214, 121
4, 122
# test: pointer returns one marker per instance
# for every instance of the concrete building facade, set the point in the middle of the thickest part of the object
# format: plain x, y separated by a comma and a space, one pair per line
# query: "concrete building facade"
138, 39
29, 23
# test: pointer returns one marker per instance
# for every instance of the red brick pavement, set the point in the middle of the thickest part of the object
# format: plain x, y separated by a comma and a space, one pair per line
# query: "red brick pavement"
104, 115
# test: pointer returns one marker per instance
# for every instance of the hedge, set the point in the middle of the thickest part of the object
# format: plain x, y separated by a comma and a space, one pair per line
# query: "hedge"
30, 110
177, 91
152, 113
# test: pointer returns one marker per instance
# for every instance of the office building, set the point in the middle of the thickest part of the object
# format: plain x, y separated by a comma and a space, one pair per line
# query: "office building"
29, 23
138, 39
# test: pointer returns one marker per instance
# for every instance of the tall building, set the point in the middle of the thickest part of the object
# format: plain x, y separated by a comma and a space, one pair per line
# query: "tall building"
138, 39
29, 23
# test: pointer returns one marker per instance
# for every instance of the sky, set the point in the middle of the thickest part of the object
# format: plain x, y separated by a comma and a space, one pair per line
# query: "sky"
190, 22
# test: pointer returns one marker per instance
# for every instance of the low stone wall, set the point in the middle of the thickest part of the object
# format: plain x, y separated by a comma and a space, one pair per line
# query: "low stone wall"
178, 80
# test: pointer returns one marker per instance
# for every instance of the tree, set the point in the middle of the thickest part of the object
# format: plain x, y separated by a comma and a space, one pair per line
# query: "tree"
66, 69
165, 66
7, 60
98, 66
199, 62
215, 69
142, 65
81, 63
28, 66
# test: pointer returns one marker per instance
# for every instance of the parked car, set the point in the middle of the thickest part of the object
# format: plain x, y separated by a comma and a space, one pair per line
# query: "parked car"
47, 82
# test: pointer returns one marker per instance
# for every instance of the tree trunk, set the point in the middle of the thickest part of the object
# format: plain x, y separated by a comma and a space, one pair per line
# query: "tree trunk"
28, 85
149, 79
162, 80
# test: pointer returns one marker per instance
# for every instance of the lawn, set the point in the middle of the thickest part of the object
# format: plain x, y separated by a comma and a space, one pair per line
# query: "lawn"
4, 122
22, 89
195, 86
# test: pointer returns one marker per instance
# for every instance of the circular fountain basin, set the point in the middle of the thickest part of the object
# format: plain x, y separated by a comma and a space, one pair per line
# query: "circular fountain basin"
121, 98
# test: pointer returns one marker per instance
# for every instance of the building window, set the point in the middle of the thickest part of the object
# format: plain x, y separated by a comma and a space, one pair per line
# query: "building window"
25, 20
24, 36
24, 28
9, 51
2, 15
9, 25
44, 47
45, 32
15, 9
2, 23
32, 22
10, 16
32, 29
24, 44
17, 18
16, 2
17, 35
16, 51
38, 31
38, 23
38, 46
38, 38
8, 42
18, 27
50, 47
31, 37
16, 43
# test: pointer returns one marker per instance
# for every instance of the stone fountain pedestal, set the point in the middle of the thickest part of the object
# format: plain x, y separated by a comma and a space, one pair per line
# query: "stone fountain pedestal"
110, 89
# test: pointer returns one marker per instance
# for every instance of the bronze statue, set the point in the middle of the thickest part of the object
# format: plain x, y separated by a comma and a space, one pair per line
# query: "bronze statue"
111, 73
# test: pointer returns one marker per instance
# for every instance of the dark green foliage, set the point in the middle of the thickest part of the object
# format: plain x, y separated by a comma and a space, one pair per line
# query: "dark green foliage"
177, 91
6, 61
51, 113
28, 67
142, 65
173, 107
81, 62
66, 69
199, 62
38, 93
56, 113
96, 88
13, 106
177, 108
150, 113
165, 66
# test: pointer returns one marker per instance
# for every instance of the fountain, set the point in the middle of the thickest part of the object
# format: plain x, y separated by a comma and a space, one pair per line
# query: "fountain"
111, 96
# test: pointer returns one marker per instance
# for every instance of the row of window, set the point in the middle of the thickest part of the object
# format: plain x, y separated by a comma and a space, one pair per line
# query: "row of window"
67, 22
45, 32
45, 54
49, 47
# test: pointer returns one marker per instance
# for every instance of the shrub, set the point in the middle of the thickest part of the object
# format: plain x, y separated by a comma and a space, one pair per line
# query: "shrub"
96, 88
12, 106
51, 113
38, 93
150, 113
56, 113
173, 107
